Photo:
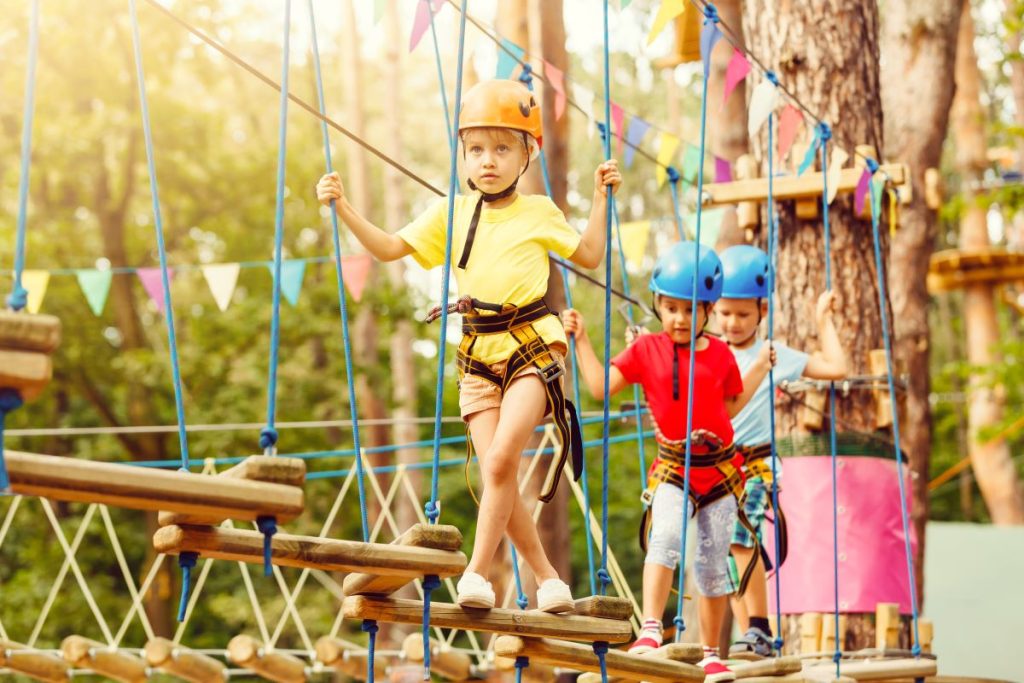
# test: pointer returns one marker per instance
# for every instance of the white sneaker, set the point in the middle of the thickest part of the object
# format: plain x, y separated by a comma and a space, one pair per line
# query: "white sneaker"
554, 596
474, 591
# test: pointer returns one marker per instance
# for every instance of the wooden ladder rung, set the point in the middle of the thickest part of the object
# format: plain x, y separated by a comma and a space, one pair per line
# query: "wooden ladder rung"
348, 658
249, 653
83, 653
42, 666
179, 661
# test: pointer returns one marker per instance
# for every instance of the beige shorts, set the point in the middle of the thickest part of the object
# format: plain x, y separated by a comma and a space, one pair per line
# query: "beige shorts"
477, 394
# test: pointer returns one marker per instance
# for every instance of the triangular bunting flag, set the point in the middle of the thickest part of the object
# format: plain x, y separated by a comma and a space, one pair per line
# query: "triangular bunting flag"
709, 36
95, 285
861, 193
710, 225
691, 163
789, 124
634, 240
507, 63
556, 79
378, 10
152, 281
424, 10
835, 169
36, 282
584, 97
878, 184
623, 4
222, 278
669, 10
617, 120
737, 70
292, 273
634, 136
811, 151
667, 146
723, 170
762, 102
354, 272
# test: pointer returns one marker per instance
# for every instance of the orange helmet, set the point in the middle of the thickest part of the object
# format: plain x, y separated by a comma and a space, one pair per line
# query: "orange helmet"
501, 103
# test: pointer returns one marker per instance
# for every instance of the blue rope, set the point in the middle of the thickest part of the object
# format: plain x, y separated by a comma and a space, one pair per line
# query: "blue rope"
370, 627
521, 600
267, 524
882, 299
711, 17
521, 663
433, 508
601, 649
19, 296
431, 582
342, 297
673, 186
10, 400
186, 560
826, 135
440, 71
268, 436
154, 188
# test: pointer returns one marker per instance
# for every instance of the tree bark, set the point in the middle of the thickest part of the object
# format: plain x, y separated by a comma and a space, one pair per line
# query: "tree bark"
991, 459
918, 41
728, 137
1015, 13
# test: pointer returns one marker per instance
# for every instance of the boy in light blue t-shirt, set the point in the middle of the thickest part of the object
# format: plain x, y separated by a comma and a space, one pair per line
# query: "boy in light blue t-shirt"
739, 313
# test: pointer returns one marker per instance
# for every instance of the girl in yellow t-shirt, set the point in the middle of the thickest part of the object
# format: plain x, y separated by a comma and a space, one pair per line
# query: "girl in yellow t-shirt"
512, 355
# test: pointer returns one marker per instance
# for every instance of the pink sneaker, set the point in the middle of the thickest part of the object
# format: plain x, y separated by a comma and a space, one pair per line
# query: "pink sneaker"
647, 642
715, 671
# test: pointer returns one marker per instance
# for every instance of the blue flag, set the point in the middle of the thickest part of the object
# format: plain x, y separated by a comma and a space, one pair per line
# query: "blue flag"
709, 35
634, 136
506, 62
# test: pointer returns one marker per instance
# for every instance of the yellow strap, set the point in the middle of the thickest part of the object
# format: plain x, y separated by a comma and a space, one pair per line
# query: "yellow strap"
893, 203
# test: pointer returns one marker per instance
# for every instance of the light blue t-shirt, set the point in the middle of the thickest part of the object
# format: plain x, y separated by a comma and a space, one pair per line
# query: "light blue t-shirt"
753, 424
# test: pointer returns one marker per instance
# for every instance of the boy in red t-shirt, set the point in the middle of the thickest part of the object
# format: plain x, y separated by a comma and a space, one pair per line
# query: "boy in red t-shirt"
660, 363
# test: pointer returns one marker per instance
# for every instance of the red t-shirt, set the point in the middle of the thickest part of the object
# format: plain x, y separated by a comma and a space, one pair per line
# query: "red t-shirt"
648, 362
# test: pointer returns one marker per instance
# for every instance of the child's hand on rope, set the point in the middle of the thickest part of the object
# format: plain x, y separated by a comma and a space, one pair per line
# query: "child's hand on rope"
572, 321
767, 356
826, 306
607, 173
330, 188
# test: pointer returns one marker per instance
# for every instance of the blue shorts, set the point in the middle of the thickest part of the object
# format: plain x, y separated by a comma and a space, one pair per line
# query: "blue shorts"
756, 498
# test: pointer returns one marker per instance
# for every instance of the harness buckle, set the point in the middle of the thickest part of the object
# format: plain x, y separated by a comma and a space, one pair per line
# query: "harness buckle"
647, 497
550, 372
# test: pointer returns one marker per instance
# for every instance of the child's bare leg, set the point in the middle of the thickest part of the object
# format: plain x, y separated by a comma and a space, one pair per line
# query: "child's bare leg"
711, 613
656, 587
521, 411
754, 602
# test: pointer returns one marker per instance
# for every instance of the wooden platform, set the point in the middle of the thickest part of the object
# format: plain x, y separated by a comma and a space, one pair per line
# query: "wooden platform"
521, 622
581, 657
439, 537
145, 488
179, 661
83, 653
41, 666
806, 186
955, 269
310, 552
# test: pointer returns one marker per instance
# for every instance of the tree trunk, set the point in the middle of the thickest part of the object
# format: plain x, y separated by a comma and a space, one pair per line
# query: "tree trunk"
918, 41
1015, 14
993, 466
728, 137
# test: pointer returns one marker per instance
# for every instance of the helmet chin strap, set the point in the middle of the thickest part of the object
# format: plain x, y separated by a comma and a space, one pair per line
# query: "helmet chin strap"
487, 197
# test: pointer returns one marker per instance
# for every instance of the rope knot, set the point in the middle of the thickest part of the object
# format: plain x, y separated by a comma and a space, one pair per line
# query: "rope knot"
10, 400
710, 14
268, 437
600, 648
431, 582
522, 662
772, 78
673, 174
680, 624
602, 130
916, 650
604, 577
526, 76
186, 560
837, 657
778, 643
432, 510
826, 132
522, 601
872, 165
268, 527
18, 299
370, 626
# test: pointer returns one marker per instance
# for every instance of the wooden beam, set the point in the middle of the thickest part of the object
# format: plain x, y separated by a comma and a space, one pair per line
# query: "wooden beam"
777, 666
604, 606
887, 625
29, 372
42, 666
264, 468
444, 662
874, 670
83, 653
28, 331
249, 653
522, 622
313, 552
348, 658
581, 657
955, 268
442, 537
146, 488
806, 186
179, 661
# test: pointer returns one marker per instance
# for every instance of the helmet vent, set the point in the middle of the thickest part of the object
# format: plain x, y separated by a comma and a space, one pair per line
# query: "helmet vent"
760, 280
524, 110
709, 283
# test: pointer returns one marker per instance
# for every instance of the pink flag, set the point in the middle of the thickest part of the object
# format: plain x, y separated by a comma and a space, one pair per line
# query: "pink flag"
153, 283
424, 9
617, 117
861, 194
355, 270
738, 69
723, 171
789, 123
557, 81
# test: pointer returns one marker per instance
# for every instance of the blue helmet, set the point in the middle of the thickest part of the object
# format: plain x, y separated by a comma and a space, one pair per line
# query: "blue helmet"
746, 272
673, 274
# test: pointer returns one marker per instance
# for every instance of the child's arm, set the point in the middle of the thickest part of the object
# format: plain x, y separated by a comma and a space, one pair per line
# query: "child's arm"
591, 368
830, 361
383, 245
752, 380
591, 248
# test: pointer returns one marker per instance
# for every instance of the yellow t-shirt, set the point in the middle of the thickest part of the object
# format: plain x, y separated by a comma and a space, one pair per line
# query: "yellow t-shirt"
509, 260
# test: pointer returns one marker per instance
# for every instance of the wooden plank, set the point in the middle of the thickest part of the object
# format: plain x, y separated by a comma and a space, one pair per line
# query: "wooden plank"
27, 371
28, 331
348, 658
248, 653
436, 536
41, 666
582, 658
805, 186
83, 653
776, 666
887, 622
874, 669
163, 654
691, 653
264, 468
444, 662
313, 552
522, 622
604, 606
146, 488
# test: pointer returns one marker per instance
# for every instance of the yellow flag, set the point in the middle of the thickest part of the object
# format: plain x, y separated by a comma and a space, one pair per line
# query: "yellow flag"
634, 240
835, 170
669, 10
35, 281
666, 151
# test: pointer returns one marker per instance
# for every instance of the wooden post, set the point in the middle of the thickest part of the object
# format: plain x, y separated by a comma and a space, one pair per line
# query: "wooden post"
887, 626
926, 632
445, 662
828, 632
348, 658
163, 654
41, 666
810, 632
83, 653
883, 403
812, 411
747, 213
248, 653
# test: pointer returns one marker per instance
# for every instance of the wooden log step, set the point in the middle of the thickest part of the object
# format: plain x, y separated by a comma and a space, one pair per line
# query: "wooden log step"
29, 372
83, 653
264, 468
792, 187
443, 537
348, 658
690, 653
874, 669
522, 622
249, 653
29, 332
145, 488
313, 552
581, 657
444, 662
179, 661
604, 606
777, 666
42, 666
